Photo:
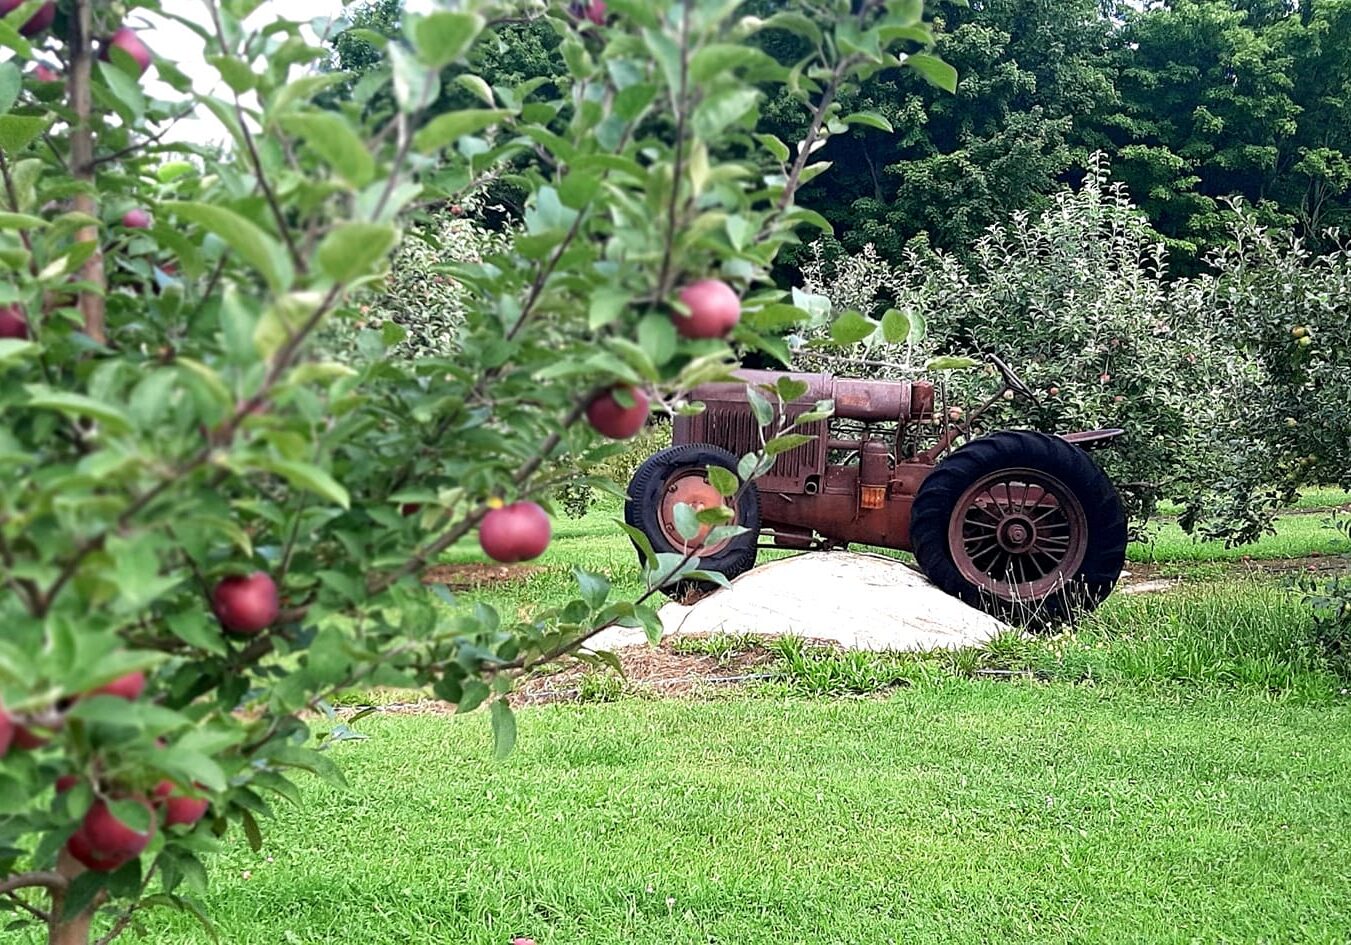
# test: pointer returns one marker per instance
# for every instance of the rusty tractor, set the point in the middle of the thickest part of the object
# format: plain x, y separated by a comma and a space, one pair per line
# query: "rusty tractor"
1019, 523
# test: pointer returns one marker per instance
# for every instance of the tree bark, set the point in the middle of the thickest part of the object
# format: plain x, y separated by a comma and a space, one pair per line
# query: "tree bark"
73, 930
82, 162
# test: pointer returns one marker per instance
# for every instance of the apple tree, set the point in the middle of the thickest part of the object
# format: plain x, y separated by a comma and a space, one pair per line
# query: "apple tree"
207, 527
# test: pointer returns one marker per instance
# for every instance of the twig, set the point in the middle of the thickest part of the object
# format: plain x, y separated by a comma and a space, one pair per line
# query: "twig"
139, 145
31, 909
255, 159
42, 878
678, 169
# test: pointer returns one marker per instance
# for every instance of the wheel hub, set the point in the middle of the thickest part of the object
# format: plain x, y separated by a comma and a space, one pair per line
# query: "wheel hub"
690, 487
1018, 534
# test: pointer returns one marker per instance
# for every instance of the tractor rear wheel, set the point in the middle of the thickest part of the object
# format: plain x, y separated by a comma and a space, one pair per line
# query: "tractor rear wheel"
679, 474
1022, 525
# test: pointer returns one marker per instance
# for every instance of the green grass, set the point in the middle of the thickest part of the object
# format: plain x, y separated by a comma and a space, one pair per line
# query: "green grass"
961, 812
1176, 768
1296, 536
1243, 636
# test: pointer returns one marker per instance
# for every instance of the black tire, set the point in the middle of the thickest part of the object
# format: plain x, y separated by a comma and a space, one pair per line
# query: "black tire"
642, 511
1102, 526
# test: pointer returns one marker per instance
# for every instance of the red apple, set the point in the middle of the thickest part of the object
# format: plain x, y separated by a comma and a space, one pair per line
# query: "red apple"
410, 508
38, 22
136, 219
27, 739
13, 323
103, 843
46, 74
518, 532
714, 310
180, 809
126, 40
246, 604
611, 418
66, 782
127, 687
6, 731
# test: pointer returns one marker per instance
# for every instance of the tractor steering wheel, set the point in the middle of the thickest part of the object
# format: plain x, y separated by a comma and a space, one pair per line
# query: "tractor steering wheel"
1011, 380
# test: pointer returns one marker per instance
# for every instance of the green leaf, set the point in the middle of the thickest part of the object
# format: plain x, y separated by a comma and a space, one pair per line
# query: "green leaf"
895, 326
12, 349
197, 629
479, 87
657, 337
306, 759
353, 250
303, 89
243, 236
127, 89
415, 86
475, 692
790, 389
724, 480
775, 316
442, 38
868, 119
82, 892
18, 131
310, 478
774, 146
595, 589
20, 221
934, 70
950, 363
717, 111
11, 81
607, 304
760, 407
686, 521
851, 328
78, 405
504, 728
795, 23
335, 142
236, 73
789, 441
251, 831
444, 130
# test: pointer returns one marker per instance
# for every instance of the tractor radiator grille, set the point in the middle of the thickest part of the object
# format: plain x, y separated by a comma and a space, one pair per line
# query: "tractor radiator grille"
734, 429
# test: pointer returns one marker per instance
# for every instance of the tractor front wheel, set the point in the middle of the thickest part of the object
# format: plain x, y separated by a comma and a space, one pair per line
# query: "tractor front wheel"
679, 474
1023, 525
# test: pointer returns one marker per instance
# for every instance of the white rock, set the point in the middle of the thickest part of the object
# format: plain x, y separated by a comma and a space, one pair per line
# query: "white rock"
856, 601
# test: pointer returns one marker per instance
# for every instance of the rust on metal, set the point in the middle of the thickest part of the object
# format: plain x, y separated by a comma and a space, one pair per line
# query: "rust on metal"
1014, 532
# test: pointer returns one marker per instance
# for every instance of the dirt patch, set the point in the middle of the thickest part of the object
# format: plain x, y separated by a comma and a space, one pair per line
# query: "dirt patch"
663, 672
463, 577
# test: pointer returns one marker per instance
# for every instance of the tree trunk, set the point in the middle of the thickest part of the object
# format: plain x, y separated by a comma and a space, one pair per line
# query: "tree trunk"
82, 160
72, 930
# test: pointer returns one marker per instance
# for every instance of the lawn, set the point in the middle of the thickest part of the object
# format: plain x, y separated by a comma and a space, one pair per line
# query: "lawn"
1176, 768
956, 812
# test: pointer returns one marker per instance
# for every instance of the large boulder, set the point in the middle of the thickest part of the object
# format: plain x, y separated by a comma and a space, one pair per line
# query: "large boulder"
855, 601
